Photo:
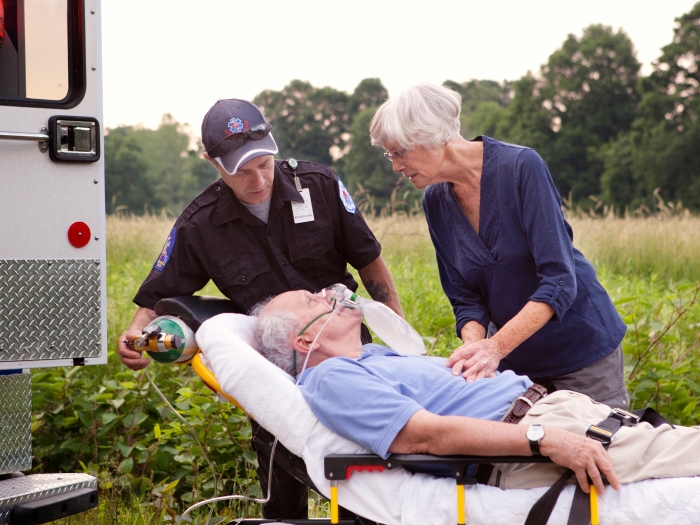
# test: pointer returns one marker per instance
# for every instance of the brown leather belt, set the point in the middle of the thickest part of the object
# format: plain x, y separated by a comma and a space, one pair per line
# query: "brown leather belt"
524, 403
520, 407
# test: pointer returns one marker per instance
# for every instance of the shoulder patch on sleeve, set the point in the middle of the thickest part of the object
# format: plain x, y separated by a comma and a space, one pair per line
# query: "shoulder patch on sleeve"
166, 251
346, 198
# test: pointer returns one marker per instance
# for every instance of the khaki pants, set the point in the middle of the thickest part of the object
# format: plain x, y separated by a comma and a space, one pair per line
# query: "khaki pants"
638, 453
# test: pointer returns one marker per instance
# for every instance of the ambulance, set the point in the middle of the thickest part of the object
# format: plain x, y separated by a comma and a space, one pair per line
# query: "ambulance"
52, 232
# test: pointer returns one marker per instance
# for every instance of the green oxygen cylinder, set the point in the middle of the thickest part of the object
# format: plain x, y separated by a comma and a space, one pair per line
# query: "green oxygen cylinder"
167, 339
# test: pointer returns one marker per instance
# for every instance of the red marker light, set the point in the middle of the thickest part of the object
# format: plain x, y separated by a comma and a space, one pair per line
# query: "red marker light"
79, 234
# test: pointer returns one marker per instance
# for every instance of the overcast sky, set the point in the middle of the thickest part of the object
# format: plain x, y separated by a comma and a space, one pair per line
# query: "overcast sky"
179, 57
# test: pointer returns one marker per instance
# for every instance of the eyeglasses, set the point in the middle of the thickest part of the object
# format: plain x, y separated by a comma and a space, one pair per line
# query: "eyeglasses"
330, 297
235, 141
395, 155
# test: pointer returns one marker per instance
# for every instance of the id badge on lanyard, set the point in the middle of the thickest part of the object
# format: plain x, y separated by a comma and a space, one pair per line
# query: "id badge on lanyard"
302, 211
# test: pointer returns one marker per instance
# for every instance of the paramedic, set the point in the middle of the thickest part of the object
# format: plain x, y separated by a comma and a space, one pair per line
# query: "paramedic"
265, 227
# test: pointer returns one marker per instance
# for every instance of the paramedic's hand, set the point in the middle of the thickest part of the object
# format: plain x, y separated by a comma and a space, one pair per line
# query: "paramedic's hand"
475, 360
586, 457
130, 357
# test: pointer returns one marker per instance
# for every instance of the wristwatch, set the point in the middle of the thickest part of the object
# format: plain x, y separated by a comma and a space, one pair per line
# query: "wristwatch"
534, 435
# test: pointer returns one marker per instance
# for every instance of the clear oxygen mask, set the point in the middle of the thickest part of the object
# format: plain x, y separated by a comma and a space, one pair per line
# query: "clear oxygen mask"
338, 296
389, 326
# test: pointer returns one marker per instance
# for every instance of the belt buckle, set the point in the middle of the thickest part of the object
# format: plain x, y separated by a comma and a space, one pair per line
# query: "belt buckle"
599, 434
628, 419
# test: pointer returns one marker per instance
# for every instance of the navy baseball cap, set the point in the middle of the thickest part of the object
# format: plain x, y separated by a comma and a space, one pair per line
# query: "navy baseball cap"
235, 131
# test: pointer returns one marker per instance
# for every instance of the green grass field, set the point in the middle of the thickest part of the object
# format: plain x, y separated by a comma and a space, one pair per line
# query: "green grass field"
108, 421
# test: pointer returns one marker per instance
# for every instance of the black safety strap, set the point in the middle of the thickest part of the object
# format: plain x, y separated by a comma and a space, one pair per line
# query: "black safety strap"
580, 513
580, 508
651, 416
543, 507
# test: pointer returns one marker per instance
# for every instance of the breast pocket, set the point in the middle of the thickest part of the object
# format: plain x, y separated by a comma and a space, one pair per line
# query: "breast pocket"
315, 257
243, 280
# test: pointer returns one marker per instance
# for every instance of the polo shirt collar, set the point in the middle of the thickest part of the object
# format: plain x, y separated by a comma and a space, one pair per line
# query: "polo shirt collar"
372, 349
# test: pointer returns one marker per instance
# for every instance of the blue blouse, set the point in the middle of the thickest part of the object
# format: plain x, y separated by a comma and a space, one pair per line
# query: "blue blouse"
523, 252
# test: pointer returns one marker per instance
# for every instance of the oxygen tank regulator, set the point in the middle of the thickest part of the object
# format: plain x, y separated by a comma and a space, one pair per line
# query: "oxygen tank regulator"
167, 339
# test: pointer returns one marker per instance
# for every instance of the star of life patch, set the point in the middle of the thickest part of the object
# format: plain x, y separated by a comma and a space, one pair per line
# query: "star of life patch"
346, 198
164, 256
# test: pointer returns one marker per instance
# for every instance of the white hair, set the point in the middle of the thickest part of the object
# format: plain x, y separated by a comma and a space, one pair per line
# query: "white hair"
423, 115
274, 332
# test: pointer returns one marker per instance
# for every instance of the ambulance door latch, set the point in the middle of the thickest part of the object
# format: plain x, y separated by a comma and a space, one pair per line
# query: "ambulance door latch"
74, 139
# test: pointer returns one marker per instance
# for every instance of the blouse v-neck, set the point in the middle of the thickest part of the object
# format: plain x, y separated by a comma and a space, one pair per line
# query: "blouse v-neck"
480, 247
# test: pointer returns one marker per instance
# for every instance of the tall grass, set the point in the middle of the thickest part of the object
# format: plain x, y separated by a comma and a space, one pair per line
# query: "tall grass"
667, 247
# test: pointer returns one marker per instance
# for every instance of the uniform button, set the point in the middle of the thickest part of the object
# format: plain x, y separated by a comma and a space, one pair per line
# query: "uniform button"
318, 252
218, 188
561, 283
284, 165
284, 263
243, 279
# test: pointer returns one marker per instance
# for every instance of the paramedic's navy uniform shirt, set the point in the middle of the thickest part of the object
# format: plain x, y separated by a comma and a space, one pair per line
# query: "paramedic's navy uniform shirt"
370, 399
523, 252
217, 238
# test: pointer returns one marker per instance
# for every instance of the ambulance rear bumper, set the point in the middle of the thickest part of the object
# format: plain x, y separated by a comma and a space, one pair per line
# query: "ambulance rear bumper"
41, 498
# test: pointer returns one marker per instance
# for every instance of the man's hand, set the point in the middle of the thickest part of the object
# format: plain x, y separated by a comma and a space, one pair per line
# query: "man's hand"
475, 360
129, 356
586, 457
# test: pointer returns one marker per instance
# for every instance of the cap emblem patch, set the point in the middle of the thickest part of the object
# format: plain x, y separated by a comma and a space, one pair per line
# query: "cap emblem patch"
236, 125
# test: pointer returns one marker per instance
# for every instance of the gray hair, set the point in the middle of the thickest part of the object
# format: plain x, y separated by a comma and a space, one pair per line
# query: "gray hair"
273, 336
423, 115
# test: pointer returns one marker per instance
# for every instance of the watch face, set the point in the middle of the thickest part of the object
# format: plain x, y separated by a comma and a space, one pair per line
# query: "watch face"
535, 433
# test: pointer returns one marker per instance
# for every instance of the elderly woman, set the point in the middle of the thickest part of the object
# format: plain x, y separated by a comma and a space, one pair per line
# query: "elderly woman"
504, 252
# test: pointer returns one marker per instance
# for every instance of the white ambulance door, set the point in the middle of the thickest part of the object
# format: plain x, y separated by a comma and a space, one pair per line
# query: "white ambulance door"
52, 226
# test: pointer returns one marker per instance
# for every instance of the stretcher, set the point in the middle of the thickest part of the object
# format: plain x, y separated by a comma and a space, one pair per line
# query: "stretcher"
379, 490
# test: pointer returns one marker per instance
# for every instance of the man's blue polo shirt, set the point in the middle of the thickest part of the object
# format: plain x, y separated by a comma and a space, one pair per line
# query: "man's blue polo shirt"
370, 399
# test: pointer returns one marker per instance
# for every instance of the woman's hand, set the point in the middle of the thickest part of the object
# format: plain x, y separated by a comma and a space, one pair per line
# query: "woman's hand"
476, 360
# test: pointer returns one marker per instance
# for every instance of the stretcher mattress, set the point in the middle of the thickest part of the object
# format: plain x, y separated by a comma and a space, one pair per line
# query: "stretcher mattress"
398, 497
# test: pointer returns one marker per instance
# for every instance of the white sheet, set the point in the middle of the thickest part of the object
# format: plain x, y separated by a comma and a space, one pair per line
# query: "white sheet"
398, 497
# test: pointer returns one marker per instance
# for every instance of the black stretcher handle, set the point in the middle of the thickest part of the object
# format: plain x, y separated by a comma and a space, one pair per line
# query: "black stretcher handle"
341, 466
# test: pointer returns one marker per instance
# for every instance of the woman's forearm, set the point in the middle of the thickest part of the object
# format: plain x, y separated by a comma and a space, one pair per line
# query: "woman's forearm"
472, 331
531, 318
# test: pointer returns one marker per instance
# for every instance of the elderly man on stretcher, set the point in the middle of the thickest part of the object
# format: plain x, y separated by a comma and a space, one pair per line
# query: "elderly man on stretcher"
390, 403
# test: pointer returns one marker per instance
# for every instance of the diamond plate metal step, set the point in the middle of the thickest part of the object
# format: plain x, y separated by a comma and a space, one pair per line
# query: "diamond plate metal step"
49, 309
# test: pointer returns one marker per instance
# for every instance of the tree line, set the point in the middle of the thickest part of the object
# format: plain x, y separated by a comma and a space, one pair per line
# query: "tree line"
608, 134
